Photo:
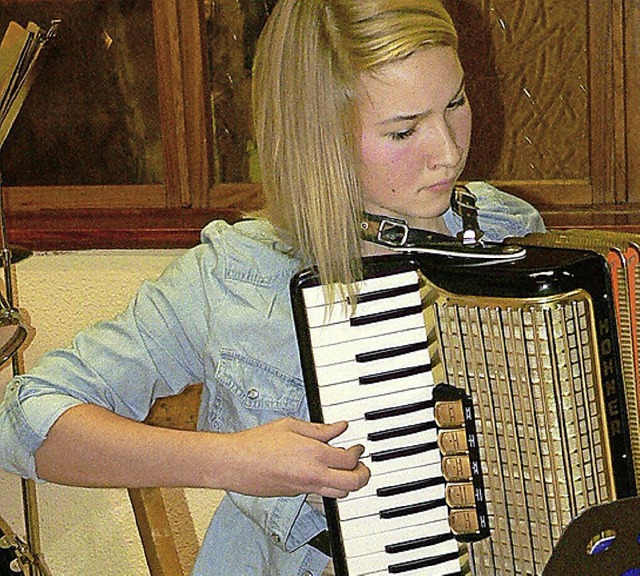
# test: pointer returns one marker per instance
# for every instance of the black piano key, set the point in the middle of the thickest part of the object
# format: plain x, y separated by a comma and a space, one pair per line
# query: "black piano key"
410, 486
394, 374
387, 293
403, 452
409, 509
385, 315
398, 410
422, 563
418, 543
391, 352
401, 431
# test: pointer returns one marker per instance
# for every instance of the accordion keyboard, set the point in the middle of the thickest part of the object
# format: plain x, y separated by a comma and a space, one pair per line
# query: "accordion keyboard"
373, 369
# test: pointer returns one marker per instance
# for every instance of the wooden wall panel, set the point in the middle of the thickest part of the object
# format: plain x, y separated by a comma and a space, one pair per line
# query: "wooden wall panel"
528, 87
632, 98
555, 87
528, 70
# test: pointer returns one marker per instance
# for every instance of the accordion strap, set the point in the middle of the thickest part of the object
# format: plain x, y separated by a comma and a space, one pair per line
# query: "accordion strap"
396, 234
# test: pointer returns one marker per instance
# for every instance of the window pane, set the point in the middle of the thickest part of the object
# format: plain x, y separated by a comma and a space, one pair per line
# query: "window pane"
91, 117
233, 26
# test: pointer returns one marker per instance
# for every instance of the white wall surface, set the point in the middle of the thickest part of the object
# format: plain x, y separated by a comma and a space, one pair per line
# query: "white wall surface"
84, 531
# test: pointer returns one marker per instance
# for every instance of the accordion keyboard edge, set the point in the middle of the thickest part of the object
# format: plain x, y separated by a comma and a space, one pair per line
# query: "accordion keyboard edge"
532, 344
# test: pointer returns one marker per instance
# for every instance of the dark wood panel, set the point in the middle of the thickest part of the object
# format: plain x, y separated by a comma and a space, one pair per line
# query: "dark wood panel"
70, 198
586, 148
129, 228
81, 230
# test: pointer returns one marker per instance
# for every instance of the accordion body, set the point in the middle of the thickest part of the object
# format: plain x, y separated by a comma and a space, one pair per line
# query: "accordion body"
533, 346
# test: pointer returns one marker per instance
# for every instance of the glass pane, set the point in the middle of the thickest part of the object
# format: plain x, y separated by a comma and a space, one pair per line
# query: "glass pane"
91, 117
233, 27
527, 80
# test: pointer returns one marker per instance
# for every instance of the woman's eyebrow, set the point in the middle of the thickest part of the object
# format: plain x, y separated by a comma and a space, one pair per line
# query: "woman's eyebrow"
411, 117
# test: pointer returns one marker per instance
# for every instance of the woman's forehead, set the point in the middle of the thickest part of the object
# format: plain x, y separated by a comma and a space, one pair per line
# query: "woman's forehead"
430, 74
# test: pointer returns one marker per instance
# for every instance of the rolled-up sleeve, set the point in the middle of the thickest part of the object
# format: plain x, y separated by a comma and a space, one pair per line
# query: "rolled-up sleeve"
151, 350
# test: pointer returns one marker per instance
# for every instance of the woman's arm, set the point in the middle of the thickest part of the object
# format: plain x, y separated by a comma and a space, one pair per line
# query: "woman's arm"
91, 446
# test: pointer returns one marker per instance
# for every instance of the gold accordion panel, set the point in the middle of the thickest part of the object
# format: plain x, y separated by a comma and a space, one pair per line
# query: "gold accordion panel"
530, 369
622, 253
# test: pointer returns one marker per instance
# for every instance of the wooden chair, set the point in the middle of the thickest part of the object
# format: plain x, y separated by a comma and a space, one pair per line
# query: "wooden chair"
164, 521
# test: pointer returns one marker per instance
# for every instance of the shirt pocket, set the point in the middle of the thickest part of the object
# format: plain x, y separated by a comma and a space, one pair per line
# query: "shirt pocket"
250, 392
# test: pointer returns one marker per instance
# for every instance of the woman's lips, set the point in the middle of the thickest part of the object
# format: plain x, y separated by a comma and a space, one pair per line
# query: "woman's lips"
441, 186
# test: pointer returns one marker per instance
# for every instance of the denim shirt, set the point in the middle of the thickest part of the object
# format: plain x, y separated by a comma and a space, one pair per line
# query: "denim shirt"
219, 315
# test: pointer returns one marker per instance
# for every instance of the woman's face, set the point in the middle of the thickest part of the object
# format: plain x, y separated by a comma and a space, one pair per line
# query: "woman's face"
415, 124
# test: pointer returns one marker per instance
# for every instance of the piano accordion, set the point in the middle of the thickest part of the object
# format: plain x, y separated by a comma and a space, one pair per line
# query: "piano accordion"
492, 399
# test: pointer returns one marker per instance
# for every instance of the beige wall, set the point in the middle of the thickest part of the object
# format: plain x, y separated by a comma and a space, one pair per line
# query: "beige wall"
84, 531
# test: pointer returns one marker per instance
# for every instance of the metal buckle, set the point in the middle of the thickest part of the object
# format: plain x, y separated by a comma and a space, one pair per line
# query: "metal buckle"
393, 232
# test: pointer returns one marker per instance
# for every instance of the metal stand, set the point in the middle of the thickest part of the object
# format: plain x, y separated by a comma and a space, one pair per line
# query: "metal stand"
28, 559
28, 553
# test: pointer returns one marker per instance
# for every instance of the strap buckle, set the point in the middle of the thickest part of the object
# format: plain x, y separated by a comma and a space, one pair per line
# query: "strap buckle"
393, 232
463, 203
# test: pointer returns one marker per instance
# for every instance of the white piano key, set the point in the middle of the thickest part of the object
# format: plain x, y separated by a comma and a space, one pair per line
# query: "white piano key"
344, 411
442, 569
356, 507
363, 546
382, 560
353, 391
359, 428
397, 478
334, 353
368, 525
344, 332
387, 304
386, 466
322, 316
426, 436
315, 295
352, 370
446, 569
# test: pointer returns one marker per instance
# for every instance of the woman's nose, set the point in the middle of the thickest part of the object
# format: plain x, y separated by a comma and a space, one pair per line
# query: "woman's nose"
445, 151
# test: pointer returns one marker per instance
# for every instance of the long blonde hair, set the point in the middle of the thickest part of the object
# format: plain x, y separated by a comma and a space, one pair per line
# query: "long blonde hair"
308, 62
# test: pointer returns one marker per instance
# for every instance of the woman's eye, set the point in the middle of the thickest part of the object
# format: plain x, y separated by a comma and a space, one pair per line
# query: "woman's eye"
458, 102
402, 135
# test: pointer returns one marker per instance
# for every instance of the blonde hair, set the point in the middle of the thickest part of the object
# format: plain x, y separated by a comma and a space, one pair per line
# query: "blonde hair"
308, 62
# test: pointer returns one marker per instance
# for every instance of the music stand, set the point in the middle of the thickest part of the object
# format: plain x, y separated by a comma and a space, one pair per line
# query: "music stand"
23, 47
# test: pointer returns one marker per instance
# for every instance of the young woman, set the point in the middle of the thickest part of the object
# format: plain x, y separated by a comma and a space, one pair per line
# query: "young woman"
359, 105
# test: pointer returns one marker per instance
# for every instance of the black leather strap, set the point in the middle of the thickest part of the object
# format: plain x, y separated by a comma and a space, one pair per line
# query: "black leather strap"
463, 203
395, 233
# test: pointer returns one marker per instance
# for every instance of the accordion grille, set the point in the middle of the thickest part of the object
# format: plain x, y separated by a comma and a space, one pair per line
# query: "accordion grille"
531, 368
622, 252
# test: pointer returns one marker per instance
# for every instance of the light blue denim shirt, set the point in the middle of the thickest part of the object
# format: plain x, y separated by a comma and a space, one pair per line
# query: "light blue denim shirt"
220, 315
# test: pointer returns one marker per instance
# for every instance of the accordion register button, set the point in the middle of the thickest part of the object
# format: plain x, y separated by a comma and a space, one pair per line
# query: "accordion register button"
449, 414
460, 495
453, 442
464, 521
456, 468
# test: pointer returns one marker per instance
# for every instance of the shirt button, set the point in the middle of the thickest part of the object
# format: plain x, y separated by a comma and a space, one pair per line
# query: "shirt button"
275, 538
253, 394
307, 573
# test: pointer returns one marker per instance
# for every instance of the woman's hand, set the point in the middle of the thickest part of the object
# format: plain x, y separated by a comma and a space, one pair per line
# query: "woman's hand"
89, 446
289, 457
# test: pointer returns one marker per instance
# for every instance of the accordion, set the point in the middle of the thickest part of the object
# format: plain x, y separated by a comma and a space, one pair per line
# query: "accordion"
497, 401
